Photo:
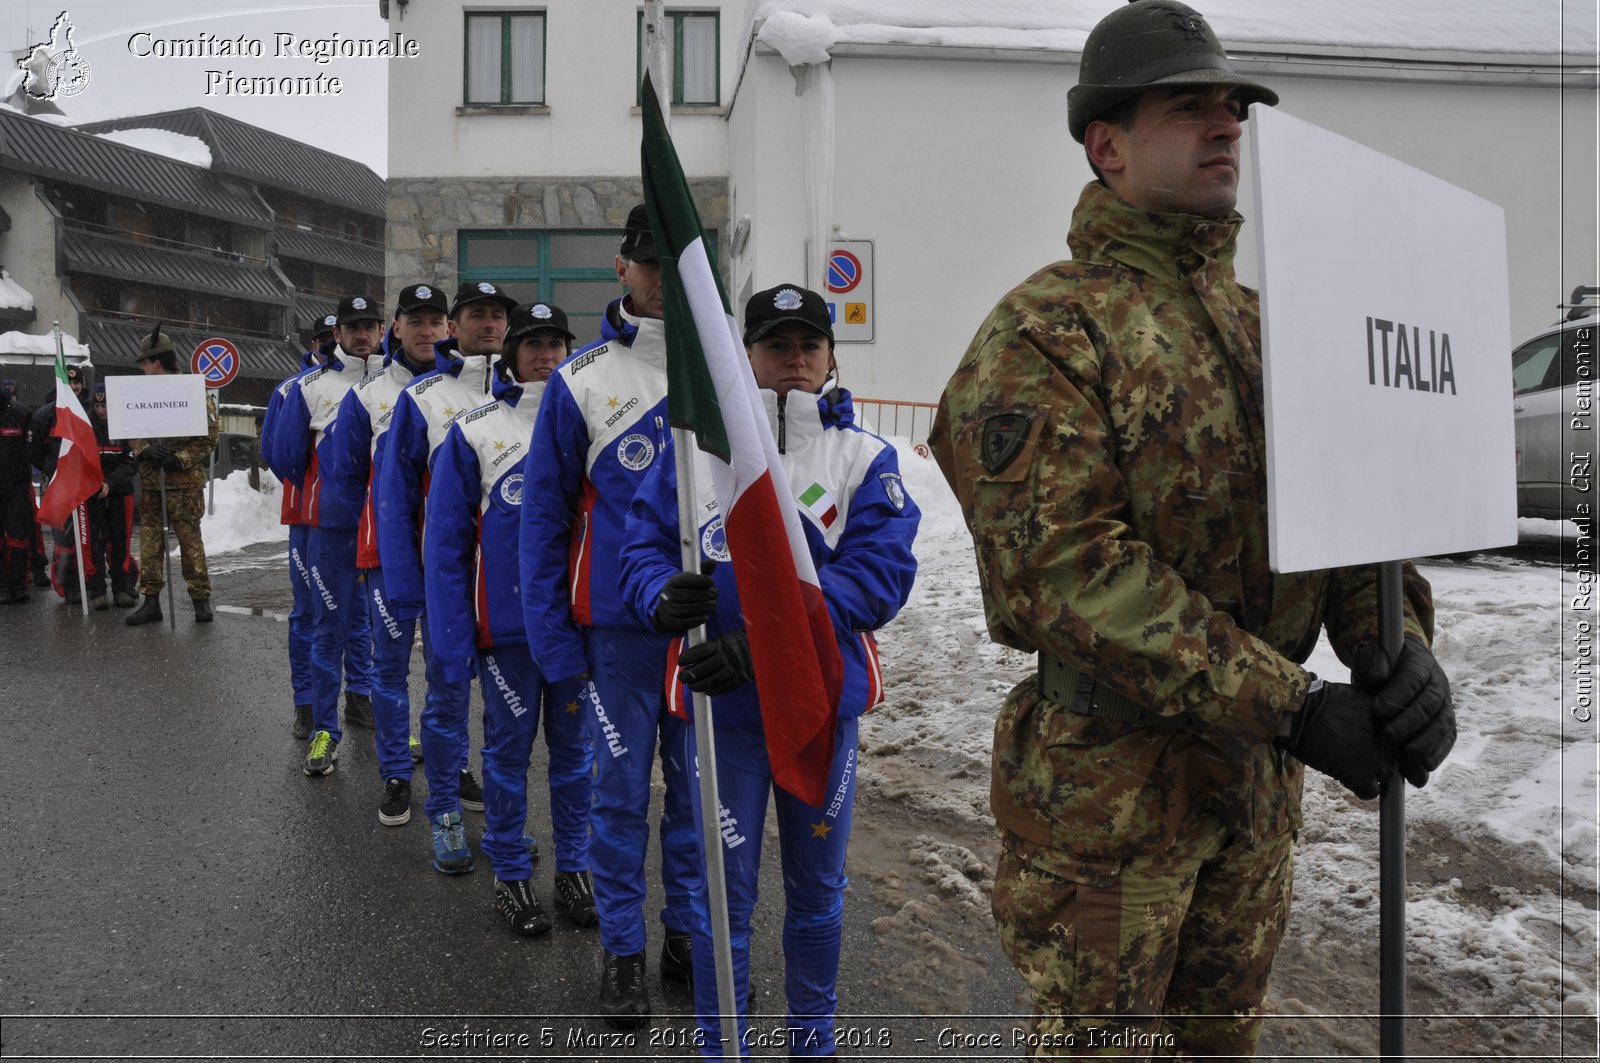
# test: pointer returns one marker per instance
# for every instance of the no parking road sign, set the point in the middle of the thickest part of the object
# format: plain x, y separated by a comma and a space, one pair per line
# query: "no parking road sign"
849, 283
216, 361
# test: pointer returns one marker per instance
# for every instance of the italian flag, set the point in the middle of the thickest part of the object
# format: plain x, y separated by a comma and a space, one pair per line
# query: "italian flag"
712, 392
77, 474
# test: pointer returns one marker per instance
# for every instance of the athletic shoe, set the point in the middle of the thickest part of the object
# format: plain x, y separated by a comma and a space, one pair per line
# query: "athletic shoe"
416, 750
321, 756
624, 1002
451, 854
519, 906
396, 808
471, 791
98, 602
124, 600
357, 709
301, 728
574, 898
676, 965
530, 843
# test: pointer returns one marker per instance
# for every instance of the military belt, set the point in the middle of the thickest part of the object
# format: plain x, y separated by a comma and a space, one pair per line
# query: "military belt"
1065, 685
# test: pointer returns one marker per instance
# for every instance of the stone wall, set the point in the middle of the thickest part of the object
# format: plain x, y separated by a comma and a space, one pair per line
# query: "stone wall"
424, 215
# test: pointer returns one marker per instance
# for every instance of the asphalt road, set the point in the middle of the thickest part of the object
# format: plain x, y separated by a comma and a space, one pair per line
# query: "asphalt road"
174, 886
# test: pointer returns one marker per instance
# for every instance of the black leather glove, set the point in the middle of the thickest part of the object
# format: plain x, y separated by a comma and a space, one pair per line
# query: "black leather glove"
1416, 713
686, 602
1336, 732
158, 455
717, 666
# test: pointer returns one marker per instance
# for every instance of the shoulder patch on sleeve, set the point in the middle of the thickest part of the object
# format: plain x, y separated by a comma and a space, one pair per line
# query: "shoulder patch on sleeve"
895, 491
1004, 436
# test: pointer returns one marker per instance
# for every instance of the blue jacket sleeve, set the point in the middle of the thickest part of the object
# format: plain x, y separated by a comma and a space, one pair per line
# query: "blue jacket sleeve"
349, 451
650, 551
270, 418
398, 501
870, 574
552, 477
291, 438
449, 575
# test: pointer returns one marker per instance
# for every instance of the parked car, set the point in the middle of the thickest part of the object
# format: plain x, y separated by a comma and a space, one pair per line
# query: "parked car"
1554, 377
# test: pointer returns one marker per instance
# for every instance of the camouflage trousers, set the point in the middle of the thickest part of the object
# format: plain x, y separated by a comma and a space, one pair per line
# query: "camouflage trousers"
185, 507
1163, 957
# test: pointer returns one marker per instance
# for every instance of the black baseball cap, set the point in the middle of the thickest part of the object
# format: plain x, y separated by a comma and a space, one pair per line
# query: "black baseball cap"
353, 308
74, 373
322, 324
420, 297
531, 317
478, 291
638, 242
787, 302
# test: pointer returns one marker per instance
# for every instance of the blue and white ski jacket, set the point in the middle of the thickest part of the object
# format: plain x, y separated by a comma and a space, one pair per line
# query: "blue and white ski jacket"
289, 511
859, 525
602, 425
300, 430
364, 417
469, 556
422, 414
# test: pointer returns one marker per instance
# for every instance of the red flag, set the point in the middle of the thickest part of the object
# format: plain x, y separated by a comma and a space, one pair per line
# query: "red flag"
711, 390
77, 474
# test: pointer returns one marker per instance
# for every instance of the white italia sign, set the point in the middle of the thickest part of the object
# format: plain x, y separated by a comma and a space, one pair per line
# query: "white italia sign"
1387, 345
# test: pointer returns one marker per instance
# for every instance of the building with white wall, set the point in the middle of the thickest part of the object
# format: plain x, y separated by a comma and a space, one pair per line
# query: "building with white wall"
939, 132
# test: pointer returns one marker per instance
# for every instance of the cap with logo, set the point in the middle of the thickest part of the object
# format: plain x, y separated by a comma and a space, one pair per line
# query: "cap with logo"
8, 386
1145, 43
421, 297
353, 308
322, 325
74, 373
531, 317
480, 291
777, 306
638, 242
99, 393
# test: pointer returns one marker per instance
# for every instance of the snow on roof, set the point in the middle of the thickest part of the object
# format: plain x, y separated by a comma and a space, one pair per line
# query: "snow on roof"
26, 343
13, 296
1510, 27
178, 147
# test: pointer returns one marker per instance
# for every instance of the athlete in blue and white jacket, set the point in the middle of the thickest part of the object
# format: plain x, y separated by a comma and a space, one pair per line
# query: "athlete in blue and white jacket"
364, 417
475, 620
602, 425
299, 450
859, 524
422, 414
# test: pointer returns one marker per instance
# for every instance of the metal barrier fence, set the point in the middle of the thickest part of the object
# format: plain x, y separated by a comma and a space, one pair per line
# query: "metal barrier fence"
891, 417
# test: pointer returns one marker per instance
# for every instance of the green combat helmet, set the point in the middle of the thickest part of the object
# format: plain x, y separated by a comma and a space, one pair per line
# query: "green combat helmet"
159, 347
1150, 42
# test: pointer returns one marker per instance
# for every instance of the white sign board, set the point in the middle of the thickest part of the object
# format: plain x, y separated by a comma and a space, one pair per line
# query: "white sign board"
156, 407
1387, 344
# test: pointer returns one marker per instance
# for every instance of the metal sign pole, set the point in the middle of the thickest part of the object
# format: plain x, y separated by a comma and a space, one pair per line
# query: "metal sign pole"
80, 530
1392, 847
166, 559
211, 472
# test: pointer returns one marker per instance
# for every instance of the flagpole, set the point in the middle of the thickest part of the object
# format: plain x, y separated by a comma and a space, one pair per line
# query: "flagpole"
78, 513
705, 743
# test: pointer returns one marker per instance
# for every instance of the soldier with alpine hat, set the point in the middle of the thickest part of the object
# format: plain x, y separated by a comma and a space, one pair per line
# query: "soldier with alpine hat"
1104, 434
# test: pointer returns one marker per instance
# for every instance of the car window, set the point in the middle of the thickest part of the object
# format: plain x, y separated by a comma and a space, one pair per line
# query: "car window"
1530, 363
1577, 344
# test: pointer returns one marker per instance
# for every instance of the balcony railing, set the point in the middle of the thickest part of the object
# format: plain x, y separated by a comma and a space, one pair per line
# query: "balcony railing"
162, 241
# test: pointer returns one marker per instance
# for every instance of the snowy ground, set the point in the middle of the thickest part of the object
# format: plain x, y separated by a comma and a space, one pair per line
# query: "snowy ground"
1502, 830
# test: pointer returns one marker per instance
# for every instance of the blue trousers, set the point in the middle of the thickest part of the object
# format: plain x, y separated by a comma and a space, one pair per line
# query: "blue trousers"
391, 681
515, 695
811, 845
341, 638
628, 666
445, 739
300, 614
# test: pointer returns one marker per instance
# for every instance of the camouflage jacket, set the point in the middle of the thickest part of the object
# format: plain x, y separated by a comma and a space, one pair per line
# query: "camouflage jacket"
194, 452
1105, 435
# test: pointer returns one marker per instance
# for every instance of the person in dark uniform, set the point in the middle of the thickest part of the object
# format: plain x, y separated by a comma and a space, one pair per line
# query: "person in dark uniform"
43, 449
16, 499
111, 516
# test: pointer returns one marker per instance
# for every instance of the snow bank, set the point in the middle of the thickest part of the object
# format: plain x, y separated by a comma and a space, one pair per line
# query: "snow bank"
800, 39
14, 296
27, 343
244, 516
178, 147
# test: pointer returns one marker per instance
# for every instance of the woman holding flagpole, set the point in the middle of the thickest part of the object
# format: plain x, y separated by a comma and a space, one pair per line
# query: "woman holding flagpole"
859, 525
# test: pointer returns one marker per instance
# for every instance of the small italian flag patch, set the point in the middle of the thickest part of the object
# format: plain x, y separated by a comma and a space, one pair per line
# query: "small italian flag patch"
817, 499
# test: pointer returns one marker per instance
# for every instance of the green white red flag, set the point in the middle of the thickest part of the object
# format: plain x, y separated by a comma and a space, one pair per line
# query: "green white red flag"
712, 392
77, 474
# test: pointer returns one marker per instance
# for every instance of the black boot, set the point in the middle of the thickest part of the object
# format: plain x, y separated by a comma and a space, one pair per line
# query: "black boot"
624, 1001
302, 722
676, 962
202, 610
148, 613
357, 709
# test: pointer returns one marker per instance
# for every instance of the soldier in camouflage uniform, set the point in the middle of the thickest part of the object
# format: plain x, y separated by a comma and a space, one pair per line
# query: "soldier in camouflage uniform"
184, 461
1105, 435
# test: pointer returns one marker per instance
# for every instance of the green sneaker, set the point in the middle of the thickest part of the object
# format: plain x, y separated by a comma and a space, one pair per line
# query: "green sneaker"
416, 750
321, 756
